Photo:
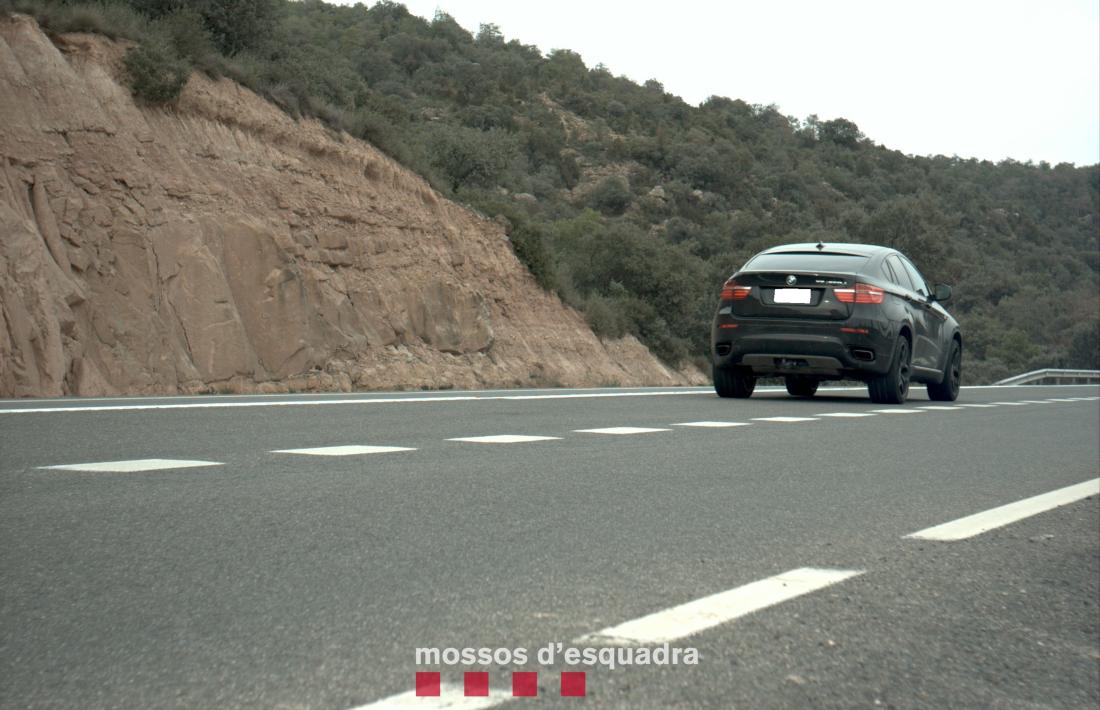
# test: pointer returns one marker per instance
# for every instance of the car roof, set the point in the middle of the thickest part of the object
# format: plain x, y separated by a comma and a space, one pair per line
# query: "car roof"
830, 248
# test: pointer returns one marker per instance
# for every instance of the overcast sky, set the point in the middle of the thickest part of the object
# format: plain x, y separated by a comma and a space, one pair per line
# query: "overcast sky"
990, 79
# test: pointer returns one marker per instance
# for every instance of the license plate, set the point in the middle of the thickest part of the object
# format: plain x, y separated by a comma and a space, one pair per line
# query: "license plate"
792, 295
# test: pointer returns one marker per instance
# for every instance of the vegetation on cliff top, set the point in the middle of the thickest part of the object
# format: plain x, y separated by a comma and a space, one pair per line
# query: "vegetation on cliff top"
631, 204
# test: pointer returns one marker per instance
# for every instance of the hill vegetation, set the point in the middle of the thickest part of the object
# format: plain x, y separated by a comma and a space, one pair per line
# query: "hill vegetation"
631, 204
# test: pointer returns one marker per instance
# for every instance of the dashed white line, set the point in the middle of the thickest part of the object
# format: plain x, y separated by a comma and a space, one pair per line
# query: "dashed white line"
133, 466
343, 450
451, 697
1061, 400
937, 408
712, 425
1034, 401
785, 420
620, 430
1012, 404
897, 411
978, 406
994, 518
846, 414
504, 439
699, 615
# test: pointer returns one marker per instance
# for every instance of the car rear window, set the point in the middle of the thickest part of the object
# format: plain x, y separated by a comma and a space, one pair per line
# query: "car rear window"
818, 262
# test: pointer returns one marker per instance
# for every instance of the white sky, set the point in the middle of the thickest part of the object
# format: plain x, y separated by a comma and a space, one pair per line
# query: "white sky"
988, 79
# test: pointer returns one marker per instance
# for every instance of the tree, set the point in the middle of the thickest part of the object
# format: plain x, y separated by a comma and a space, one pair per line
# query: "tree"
469, 157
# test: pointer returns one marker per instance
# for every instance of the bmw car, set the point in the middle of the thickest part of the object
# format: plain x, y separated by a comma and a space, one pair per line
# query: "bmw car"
815, 312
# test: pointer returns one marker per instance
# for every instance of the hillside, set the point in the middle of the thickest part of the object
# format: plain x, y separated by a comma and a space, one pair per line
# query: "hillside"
634, 206
221, 245
621, 199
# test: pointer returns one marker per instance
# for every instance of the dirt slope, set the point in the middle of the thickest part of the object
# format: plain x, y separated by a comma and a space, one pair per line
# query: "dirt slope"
223, 246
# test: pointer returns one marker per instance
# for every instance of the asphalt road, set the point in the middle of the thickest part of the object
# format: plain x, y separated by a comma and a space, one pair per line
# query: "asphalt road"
291, 580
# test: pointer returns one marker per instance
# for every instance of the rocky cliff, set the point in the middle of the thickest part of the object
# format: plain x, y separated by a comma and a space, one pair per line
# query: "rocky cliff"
220, 245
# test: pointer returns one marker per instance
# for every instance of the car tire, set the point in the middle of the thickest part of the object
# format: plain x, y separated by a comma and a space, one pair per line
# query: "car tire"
893, 387
801, 386
734, 382
948, 389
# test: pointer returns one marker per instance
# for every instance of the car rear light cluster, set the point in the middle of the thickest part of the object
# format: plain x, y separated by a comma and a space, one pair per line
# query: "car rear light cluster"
860, 293
732, 292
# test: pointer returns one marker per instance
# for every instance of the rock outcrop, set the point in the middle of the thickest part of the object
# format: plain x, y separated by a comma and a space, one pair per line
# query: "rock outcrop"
220, 245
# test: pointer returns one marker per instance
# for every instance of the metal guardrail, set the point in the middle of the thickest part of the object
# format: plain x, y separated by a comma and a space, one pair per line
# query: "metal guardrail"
1054, 377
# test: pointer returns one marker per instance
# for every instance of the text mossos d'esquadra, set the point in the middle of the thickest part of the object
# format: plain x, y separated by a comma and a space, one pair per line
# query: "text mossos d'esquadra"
552, 653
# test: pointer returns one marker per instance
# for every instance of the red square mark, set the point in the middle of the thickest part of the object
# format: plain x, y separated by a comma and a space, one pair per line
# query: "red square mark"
572, 684
525, 684
427, 683
475, 683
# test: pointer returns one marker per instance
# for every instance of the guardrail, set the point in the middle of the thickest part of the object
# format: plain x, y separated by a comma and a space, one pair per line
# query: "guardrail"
1054, 377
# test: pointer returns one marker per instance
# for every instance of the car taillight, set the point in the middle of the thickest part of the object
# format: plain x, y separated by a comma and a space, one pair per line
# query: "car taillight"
732, 292
860, 293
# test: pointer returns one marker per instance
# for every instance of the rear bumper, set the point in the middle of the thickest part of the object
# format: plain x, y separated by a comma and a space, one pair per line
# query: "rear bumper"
771, 347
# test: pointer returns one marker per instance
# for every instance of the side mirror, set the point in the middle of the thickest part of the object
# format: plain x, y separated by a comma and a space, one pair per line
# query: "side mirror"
941, 293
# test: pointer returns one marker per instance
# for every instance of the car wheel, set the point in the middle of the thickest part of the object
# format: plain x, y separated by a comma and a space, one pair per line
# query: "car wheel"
801, 386
948, 390
893, 387
734, 382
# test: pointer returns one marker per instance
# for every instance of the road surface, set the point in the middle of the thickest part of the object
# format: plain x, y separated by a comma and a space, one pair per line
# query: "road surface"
295, 551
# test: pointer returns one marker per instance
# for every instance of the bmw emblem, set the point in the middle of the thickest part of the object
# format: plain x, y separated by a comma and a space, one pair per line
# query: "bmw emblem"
792, 280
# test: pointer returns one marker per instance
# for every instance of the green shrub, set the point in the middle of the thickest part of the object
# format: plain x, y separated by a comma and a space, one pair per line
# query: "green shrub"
157, 74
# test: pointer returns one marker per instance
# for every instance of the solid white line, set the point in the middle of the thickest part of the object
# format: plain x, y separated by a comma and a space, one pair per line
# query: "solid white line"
480, 393
846, 414
504, 439
133, 466
450, 698
784, 420
702, 614
897, 411
620, 430
326, 402
991, 519
343, 450
713, 425
937, 408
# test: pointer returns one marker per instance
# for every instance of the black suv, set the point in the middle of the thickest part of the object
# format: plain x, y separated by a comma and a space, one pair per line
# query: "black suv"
814, 312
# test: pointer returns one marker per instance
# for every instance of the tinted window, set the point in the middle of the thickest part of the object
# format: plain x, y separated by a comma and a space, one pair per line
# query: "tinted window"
900, 277
918, 280
807, 261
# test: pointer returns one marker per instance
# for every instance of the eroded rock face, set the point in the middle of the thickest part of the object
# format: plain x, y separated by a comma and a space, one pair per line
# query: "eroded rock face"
221, 246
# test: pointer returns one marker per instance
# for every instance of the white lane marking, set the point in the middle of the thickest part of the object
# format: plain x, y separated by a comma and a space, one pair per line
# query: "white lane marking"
1012, 404
133, 466
1061, 400
504, 439
451, 697
680, 390
978, 405
343, 450
215, 401
937, 408
326, 402
620, 430
702, 614
846, 414
994, 518
784, 420
897, 411
713, 425
1034, 401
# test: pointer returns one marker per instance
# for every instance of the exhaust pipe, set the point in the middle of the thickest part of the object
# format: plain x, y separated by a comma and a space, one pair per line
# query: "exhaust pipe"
863, 354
